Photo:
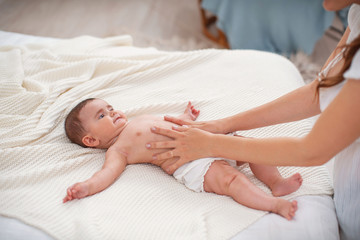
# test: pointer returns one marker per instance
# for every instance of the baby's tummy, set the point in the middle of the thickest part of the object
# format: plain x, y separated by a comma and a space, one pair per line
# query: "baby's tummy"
138, 153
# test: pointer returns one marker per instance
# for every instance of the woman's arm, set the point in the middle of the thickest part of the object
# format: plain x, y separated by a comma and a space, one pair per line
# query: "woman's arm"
336, 128
299, 104
296, 105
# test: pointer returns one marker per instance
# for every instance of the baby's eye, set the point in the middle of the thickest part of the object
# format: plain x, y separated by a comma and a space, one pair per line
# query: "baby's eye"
101, 116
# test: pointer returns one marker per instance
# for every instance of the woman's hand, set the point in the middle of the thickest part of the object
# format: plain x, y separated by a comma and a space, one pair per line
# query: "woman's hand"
188, 144
214, 126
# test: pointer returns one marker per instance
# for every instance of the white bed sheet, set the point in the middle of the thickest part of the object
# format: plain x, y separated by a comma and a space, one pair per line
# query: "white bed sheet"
315, 219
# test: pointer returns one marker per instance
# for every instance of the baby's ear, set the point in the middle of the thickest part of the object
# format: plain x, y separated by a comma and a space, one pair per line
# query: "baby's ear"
90, 141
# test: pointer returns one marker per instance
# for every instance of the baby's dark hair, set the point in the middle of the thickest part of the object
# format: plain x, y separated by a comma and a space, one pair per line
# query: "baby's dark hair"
73, 126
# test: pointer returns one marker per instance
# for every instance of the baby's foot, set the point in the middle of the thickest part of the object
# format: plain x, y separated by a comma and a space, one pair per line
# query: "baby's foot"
286, 186
191, 112
285, 208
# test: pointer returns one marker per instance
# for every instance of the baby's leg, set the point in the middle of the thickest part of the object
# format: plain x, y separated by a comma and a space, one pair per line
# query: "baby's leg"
271, 177
223, 179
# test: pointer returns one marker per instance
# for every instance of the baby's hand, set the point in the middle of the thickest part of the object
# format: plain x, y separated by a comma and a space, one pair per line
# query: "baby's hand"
191, 111
77, 191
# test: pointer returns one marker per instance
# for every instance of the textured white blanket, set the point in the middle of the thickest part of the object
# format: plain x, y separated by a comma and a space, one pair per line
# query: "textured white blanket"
39, 84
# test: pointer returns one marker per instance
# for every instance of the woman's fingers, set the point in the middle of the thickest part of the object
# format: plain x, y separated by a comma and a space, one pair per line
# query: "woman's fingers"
176, 120
175, 134
165, 165
156, 145
165, 155
173, 166
178, 148
169, 132
169, 161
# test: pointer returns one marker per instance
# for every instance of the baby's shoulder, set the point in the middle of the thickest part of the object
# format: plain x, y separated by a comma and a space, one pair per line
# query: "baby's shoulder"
118, 151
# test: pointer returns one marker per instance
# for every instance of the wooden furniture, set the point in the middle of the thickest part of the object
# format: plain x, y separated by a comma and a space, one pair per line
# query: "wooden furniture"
210, 29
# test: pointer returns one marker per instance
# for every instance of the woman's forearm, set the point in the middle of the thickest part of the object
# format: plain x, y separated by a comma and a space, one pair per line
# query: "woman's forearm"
285, 151
336, 128
296, 105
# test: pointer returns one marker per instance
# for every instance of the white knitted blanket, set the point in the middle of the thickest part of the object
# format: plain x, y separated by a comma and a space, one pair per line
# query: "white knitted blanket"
39, 84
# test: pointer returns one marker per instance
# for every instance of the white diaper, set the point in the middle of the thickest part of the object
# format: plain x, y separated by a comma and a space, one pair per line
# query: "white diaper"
192, 174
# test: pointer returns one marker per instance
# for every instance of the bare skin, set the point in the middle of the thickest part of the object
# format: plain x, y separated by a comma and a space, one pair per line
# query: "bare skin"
223, 179
125, 141
342, 116
197, 139
286, 186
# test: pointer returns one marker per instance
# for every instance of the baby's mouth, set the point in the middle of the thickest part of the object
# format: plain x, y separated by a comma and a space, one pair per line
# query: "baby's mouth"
117, 119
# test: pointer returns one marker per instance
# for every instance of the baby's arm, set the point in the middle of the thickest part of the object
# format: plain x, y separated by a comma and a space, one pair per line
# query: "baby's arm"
190, 113
114, 165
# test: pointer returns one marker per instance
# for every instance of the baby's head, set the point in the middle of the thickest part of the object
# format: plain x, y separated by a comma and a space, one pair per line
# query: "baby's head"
94, 123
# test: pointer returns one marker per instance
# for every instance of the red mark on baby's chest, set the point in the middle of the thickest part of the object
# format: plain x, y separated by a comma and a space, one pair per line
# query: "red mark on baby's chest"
138, 134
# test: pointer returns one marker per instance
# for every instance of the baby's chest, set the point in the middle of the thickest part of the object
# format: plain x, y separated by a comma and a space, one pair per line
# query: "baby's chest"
135, 139
139, 131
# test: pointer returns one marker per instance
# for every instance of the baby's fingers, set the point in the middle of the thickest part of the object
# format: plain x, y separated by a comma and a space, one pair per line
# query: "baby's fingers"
68, 197
68, 191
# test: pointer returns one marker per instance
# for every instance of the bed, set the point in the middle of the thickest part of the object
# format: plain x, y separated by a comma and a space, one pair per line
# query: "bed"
42, 79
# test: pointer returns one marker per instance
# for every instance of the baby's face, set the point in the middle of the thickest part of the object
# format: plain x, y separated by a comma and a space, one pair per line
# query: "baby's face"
101, 121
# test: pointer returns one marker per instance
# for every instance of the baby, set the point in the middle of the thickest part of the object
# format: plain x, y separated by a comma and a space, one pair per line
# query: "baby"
94, 123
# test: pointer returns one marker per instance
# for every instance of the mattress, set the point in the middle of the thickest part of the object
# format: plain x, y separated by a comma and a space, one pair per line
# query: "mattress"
315, 219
